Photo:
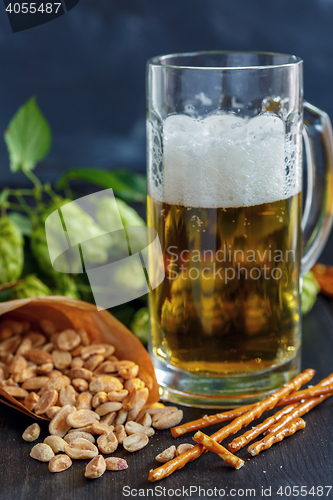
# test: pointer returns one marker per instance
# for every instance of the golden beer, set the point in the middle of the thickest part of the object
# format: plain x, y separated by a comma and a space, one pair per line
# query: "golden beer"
229, 303
225, 134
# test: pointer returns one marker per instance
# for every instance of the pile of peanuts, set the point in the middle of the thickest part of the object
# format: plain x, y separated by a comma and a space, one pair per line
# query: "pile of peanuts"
84, 390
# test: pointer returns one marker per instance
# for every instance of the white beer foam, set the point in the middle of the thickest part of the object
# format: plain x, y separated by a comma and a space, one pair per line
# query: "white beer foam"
225, 161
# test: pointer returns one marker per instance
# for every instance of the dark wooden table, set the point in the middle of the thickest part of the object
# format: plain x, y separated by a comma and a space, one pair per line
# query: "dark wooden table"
303, 460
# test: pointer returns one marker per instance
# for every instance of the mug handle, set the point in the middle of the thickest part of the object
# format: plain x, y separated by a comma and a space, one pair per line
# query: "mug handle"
318, 209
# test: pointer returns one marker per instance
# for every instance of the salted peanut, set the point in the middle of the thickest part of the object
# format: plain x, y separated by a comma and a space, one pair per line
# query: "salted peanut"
106, 367
54, 339
68, 340
147, 379
56, 443
145, 420
31, 433
81, 373
84, 400
127, 369
39, 357
112, 358
107, 443
118, 396
51, 412
105, 383
71, 436
129, 401
59, 463
121, 417
94, 361
81, 448
134, 428
80, 384
91, 350
35, 383
95, 468
10, 345
5, 332
115, 463
57, 383
109, 350
99, 398
120, 433
48, 347
42, 452
86, 428
18, 327
159, 408
47, 326
7, 358
32, 366
108, 418
16, 392
55, 374
105, 408
134, 383
61, 359
140, 401
183, 447
37, 339
9, 382
48, 399
4, 367
24, 347
84, 337
77, 362
31, 400
166, 420
77, 352
166, 455
80, 418
67, 396
17, 364
135, 442
45, 368
25, 375
58, 425
102, 428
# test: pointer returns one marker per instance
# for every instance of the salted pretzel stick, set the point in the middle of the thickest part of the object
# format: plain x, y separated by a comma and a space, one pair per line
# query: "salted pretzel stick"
248, 436
308, 393
209, 420
323, 387
275, 437
267, 404
215, 447
300, 410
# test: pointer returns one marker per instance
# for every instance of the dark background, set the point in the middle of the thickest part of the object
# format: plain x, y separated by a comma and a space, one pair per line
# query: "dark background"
87, 68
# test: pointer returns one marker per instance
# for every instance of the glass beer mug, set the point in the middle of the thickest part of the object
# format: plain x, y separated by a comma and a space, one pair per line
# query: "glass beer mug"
225, 140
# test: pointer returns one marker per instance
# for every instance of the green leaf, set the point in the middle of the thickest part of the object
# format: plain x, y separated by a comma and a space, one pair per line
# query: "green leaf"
22, 221
130, 187
28, 137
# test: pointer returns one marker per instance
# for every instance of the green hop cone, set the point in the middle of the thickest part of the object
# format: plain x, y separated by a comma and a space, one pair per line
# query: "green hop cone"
106, 213
11, 251
31, 287
140, 325
78, 223
66, 286
310, 291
